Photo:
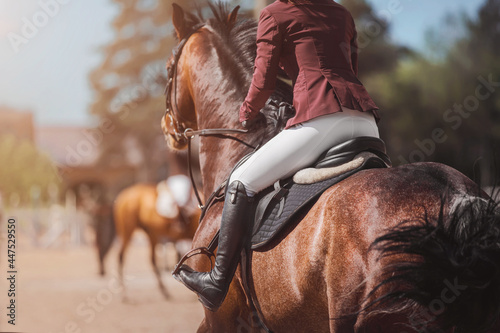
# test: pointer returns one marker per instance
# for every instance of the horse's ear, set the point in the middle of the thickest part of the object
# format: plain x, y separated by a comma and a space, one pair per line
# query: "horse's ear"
231, 19
178, 18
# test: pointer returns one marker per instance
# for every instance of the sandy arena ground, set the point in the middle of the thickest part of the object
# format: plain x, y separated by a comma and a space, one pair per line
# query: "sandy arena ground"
59, 291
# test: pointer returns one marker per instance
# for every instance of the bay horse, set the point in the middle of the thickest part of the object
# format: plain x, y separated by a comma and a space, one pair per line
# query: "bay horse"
135, 208
415, 248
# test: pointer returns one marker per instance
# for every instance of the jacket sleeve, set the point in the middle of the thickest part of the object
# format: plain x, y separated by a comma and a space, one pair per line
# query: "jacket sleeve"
269, 44
354, 50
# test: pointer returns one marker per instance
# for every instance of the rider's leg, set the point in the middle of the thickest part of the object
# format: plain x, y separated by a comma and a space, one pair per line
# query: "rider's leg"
300, 146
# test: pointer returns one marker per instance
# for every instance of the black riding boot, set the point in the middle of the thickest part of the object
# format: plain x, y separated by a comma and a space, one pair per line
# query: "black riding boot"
212, 286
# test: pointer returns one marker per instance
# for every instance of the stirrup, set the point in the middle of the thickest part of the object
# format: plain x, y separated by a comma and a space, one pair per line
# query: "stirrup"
194, 252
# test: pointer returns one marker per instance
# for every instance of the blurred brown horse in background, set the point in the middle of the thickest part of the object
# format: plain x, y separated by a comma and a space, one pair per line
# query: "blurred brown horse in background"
409, 249
135, 208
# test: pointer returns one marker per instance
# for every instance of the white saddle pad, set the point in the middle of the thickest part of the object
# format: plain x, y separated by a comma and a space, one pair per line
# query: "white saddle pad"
313, 175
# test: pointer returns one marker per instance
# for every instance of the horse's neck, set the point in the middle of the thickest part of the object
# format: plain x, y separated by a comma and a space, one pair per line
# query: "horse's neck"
218, 97
219, 154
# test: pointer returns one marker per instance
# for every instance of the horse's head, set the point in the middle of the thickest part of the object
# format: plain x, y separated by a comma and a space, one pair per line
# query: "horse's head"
181, 113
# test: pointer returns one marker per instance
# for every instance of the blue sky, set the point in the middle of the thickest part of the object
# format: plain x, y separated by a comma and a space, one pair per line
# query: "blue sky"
49, 73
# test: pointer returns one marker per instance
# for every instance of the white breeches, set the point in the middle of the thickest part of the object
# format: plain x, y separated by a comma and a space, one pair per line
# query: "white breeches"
300, 146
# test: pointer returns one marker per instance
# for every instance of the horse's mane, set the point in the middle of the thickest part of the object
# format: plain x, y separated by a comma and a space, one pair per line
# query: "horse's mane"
239, 42
238, 38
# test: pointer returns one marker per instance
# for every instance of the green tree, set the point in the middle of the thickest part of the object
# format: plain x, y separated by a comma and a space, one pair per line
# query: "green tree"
440, 106
24, 167
477, 57
376, 52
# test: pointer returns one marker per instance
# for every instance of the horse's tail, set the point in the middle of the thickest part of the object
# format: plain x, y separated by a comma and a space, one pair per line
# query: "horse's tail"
454, 279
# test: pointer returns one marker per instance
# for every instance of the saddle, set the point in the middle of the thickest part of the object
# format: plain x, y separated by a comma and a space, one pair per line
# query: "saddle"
277, 205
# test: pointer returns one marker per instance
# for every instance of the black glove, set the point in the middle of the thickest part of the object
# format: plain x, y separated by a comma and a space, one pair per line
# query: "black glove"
258, 121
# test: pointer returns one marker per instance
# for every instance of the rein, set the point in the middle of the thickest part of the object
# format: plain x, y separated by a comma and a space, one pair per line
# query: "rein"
189, 134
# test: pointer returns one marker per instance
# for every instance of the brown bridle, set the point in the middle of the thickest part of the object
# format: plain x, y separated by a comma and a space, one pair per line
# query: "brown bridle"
171, 108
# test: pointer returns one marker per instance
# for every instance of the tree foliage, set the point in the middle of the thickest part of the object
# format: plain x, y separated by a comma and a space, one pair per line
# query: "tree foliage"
376, 52
446, 108
24, 168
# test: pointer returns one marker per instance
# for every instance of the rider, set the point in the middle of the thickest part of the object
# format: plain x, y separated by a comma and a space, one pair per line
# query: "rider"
314, 41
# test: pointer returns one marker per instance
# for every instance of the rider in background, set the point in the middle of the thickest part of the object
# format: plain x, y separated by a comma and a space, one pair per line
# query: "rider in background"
314, 42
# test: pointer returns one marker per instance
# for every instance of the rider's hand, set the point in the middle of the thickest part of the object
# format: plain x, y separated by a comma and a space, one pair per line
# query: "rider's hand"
258, 121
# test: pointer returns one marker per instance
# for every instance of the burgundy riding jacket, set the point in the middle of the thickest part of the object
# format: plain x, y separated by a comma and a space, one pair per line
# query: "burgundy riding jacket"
315, 44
